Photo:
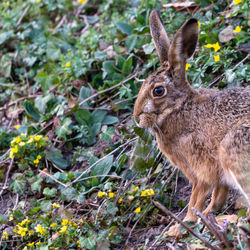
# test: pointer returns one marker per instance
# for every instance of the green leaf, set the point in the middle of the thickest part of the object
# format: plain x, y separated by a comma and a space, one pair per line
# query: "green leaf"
30, 110
45, 205
131, 42
42, 101
18, 185
49, 192
59, 162
84, 93
124, 27
109, 119
148, 48
5, 36
36, 185
98, 115
88, 243
103, 167
3, 219
127, 65
69, 193
83, 116
46, 81
242, 213
64, 129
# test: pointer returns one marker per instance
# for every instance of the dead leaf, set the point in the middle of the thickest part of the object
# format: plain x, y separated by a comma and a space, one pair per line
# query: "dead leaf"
226, 35
181, 6
233, 218
241, 203
174, 231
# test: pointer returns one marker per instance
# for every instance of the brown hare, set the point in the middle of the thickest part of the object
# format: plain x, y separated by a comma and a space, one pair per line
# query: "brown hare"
205, 133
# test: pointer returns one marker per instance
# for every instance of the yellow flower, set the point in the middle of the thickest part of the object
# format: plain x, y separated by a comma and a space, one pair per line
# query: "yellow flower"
187, 66
31, 244
39, 157
7, 4
17, 127
65, 222
237, 29
31, 232
11, 155
120, 200
22, 143
36, 161
25, 248
22, 223
80, 220
73, 224
5, 235
11, 217
21, 230
216, 47
237, 1
217, 58
53, 225
209, 46
82, 1
38, 243
111, 194
136, 188
38, 1
40, 229
101, 194
30, 140
38, 138
143, 193
137, 210
63, 229
199, 24
15, 149
54, 205
67, 64
151, 191
23, 134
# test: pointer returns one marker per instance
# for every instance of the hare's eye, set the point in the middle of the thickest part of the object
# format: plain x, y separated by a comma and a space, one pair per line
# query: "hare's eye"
158, 91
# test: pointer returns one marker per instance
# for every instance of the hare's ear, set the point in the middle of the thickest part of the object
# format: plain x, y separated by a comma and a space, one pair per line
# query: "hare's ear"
183, 47
159, 35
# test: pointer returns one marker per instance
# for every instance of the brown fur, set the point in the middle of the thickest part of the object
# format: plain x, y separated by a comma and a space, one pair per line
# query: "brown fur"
206, 133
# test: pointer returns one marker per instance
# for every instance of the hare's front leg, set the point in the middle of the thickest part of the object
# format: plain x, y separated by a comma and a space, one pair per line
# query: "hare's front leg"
218, 199
198, 197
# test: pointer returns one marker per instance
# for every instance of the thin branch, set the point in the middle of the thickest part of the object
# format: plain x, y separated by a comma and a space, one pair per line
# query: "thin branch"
23, 14
219, 77
7, 176
53, 178
112, 152
108, 89
166, 211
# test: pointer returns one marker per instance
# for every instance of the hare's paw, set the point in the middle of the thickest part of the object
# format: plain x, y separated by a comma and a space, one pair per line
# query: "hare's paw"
174, 231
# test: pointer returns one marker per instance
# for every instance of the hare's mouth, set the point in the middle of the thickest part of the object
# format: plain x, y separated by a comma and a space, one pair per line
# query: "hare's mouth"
146, 120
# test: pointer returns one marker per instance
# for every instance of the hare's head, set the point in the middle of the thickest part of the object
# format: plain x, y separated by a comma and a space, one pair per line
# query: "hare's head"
165, 90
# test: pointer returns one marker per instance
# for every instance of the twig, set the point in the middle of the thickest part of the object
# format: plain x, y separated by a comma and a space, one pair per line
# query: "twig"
108, 89
7, 176
219, 77
112, 152
59, 24
86, 26
245, 232
53, 178
23, 14
166, 211
102, 175
214, 229
18, 100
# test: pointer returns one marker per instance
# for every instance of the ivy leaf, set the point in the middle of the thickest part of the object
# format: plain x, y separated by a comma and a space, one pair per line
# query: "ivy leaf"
49, 192
124, 27
36, 185
18, 184
31, 111
45, 205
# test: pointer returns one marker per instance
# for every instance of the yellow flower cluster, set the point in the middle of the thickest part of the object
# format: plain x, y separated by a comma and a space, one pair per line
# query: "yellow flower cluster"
237, 29
5, 235
36, 161
40, 229
67, 64
82, 1
237, 1
216, 46
110, 194
20, 230
137, 210
55, 205
147, 192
